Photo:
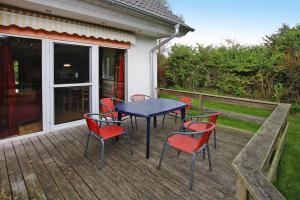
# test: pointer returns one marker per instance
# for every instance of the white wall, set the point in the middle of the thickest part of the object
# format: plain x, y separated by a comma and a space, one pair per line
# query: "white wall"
138, 66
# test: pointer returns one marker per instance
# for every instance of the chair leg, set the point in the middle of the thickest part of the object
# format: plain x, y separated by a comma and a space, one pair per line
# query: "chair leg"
192, 171
102, 153
130, 148
136, 126
215, 139
162, 154
203, 154
208, 156
163, 121
178, 153
87, 143
176, 118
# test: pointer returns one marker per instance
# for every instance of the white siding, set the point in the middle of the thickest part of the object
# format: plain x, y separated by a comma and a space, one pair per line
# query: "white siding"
138, 66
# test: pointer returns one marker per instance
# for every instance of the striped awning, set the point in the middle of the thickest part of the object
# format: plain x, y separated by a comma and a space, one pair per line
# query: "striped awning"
39, 21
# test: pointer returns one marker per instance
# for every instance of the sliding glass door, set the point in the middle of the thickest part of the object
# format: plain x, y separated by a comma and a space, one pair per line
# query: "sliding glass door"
72, 82
112, 73
20, 86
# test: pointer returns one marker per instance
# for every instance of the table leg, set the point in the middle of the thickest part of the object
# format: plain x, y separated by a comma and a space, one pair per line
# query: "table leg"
148, 138
182, 114
154, 122
182, 119
119, 119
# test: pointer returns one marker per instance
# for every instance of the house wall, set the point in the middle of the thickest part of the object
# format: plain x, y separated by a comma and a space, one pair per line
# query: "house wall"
138, 66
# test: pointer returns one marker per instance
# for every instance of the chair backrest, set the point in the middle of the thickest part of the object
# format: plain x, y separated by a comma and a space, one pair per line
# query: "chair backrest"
213, 117
91, 123
139, 97
205, 137
107, 105
187, 100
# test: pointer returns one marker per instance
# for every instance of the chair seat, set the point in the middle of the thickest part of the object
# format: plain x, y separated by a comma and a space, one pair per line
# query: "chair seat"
184, 143
178, 112
111, 131
195, 127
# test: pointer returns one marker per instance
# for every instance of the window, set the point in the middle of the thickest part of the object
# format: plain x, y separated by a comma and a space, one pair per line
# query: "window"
21, 86
71, 67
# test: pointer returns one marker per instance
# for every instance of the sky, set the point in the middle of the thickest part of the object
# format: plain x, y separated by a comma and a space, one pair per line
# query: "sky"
244, 21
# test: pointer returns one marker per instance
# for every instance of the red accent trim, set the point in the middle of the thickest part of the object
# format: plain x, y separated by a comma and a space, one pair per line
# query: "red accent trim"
15, 30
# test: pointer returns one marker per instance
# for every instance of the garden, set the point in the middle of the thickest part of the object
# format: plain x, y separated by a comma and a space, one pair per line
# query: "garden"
270, 71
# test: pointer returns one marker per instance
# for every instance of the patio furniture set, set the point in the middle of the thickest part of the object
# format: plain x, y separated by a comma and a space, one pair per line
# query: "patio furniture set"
192, 137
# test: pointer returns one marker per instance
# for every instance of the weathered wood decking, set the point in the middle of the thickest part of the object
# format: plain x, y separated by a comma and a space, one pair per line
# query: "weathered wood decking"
52, 166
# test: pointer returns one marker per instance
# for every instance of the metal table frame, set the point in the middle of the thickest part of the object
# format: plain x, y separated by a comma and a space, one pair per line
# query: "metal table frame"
150, 108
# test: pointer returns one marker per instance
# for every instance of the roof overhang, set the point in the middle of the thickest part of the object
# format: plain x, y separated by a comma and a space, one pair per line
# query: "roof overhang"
105, 13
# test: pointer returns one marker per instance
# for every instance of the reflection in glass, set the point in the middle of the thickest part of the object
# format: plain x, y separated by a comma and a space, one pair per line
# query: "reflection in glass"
71, 64
20, 86
112, 73
71, 103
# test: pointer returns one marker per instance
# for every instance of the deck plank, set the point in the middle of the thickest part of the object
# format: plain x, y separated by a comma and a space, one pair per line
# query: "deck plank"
33, 185
5, 192
118, 186
207, 192
48, 184
52, 166
17, 183
61, 181
138, 179
78, 183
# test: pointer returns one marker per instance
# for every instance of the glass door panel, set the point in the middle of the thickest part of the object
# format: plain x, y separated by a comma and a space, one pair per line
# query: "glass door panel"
20, 86
111, 73
71, 82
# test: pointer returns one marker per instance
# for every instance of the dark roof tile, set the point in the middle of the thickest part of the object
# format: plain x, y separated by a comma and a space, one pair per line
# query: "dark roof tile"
154, 7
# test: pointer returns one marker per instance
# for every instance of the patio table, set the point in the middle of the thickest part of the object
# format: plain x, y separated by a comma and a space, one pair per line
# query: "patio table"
150, 108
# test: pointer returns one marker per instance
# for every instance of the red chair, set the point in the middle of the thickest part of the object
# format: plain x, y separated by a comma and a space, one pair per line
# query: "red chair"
210, 116
186, 142
107, 108
188, 101
111, 130
138, 97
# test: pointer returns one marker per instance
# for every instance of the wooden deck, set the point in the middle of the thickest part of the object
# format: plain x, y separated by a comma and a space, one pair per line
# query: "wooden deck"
52, 166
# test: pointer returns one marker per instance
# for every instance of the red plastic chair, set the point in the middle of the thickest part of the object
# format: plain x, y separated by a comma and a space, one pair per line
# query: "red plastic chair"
107, 108
188, 101
111, 130
186, 142
138, 97
210, 116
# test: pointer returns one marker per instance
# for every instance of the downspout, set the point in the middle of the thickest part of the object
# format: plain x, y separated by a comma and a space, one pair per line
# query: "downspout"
177, 26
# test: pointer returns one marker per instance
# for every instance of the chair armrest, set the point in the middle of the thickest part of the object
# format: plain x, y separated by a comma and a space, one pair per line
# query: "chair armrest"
187, 133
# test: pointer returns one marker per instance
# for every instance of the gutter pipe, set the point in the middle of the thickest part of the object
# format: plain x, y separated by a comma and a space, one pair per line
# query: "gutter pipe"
152, 87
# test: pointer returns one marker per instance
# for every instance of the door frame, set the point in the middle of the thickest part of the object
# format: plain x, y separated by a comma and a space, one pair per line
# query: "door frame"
49, 97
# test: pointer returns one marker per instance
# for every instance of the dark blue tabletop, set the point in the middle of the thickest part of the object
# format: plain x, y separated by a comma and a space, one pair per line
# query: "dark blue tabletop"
150, 107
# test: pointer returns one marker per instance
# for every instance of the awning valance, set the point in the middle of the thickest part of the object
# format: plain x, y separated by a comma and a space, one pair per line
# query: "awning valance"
38, 21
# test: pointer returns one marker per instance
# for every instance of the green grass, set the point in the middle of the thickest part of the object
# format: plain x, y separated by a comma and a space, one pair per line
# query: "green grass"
248, 126
228, 107
288, 181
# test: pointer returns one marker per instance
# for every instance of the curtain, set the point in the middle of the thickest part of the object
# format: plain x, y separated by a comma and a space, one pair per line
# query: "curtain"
8, 120
120, 77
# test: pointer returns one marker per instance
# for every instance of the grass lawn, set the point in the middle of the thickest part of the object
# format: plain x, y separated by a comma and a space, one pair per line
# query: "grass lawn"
288, 179
248, 126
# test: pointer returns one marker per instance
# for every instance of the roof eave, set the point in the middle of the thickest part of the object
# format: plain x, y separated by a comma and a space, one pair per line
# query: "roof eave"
123, 5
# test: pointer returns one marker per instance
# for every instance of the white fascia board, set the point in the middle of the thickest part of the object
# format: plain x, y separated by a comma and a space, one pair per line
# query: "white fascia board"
79, 10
